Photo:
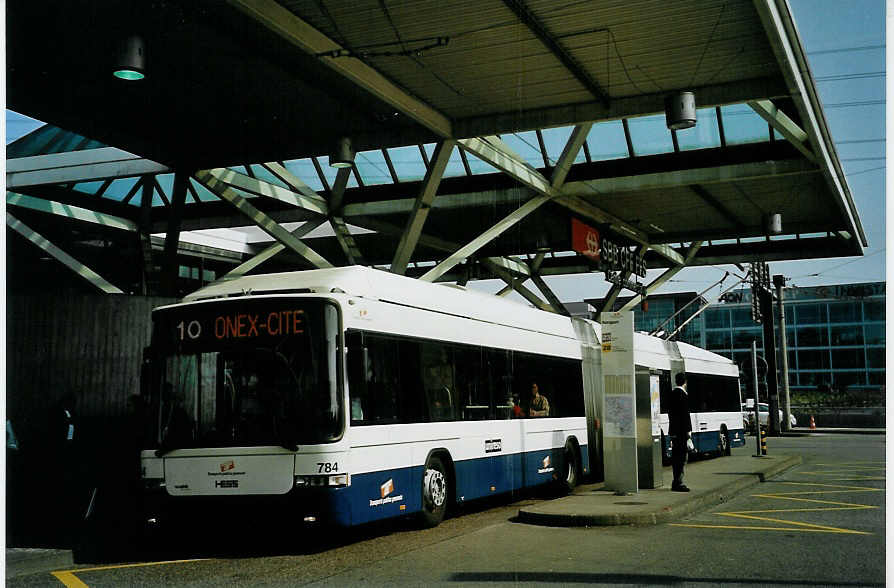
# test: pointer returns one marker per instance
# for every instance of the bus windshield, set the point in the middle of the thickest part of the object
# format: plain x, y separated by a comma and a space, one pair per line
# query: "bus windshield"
246, 373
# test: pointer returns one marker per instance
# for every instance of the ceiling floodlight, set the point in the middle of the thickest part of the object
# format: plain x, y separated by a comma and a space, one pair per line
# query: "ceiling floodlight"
342, 153
130, 63
679, 110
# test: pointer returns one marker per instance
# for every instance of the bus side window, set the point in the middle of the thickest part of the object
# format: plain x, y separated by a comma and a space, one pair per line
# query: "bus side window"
358, 360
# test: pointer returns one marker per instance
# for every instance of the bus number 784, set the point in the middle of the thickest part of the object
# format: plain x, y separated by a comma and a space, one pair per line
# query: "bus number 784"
327, 467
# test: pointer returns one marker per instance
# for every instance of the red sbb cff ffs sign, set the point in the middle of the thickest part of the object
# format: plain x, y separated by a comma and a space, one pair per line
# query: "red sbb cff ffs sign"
585, 240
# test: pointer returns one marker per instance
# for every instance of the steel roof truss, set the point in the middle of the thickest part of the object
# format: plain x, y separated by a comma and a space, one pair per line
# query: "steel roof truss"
301, 34
314, 204
337, 221
77, 166
785, 126
495, 152
422, 206
270, 251
67, 260
290, 179
516, 284
267, 224
69, 211
664, 277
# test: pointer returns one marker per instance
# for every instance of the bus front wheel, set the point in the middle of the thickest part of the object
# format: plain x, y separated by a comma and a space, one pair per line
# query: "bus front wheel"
435, 490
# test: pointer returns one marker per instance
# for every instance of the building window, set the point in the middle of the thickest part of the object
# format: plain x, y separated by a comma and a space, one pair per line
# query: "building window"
848, 359
810, 314
844, 312
852, 335
742, 338
717, 318
717, 340
741, 317
875, 358
875, 334
874, 310
813, 359
813, 337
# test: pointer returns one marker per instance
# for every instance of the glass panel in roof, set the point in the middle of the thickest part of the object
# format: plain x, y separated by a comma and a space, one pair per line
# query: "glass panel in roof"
120, 188
373, 168
166, 181
479, 166
330, 172
261, 173
650, 135
205, 195
606, 141
742, 125
455, 167
408, 164
526, 145
157, 200
304, 169
555, 141
704, 134
88, 187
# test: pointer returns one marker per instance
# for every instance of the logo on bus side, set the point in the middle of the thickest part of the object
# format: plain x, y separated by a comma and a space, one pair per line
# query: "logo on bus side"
227, 465
493, 445
546, 466
385, 490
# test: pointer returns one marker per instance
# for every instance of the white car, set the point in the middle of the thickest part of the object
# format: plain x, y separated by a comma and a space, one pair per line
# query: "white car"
764, 412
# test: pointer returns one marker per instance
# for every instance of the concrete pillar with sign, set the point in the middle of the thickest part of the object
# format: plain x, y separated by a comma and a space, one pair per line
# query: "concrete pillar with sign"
648, 428
619, 402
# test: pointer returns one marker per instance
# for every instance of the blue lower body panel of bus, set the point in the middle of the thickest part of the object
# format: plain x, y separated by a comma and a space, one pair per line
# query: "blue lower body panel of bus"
377, 495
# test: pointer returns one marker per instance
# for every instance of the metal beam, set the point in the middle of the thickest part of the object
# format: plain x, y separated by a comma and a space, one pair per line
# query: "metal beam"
421, 207
686, 177
663, 278
315, 203
780, 27
484, 238
493, 151
69, 211
267, 224
78, 166
717, 205
551, 297
296, 31
516, 285
536, 26
67, 260
170, 269
620, 107
336, 220
786, 126
569, 154
290, 179
270, 251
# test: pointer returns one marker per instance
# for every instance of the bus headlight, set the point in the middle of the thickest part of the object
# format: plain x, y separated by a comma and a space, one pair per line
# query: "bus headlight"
335, 481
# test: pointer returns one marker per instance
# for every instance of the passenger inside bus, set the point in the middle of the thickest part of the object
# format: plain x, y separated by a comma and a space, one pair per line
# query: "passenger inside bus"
537, 404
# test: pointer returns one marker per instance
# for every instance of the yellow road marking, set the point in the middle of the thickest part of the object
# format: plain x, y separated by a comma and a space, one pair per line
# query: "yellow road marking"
68, 577
822, 489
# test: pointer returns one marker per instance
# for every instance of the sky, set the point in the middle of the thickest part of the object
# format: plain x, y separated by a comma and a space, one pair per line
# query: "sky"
846, 49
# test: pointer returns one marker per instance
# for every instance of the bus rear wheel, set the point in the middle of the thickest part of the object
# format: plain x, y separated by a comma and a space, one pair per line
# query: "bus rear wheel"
435, 490
724, 448
571, 473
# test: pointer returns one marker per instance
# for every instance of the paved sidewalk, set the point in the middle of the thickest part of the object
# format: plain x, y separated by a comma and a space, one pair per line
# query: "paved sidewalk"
26, 560
712, 481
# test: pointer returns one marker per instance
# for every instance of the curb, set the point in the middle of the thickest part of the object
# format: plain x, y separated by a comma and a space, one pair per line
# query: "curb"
667, 513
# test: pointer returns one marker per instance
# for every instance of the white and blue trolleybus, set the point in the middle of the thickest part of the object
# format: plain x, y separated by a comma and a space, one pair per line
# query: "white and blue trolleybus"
350, 395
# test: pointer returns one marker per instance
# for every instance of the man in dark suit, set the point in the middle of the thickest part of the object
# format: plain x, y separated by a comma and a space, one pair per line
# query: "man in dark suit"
680, 430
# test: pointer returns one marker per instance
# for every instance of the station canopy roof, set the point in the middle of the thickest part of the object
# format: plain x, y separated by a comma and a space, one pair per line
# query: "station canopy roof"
481, 128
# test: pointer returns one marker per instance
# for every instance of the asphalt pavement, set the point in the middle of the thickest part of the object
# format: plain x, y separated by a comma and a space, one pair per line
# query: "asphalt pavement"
712, 481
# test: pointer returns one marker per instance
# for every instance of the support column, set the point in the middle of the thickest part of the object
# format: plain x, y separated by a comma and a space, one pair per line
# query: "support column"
170, 266
766, 302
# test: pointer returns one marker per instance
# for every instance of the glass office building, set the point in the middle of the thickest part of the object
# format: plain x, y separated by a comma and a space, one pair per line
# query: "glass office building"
835, 334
